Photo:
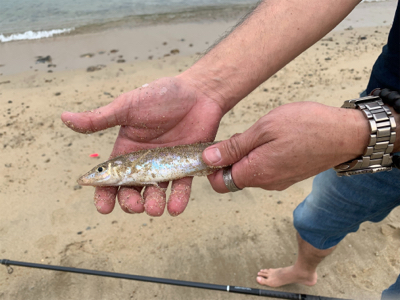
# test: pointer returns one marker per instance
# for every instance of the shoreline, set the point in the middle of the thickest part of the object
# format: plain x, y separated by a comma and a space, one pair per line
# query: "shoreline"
190, 15
199, 14
222, 12
148, 42
195, 15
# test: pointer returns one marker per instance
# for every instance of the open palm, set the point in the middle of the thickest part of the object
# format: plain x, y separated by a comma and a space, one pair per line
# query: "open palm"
166, 112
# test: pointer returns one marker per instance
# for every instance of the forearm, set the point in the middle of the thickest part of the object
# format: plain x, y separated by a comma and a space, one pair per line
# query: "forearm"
275, 33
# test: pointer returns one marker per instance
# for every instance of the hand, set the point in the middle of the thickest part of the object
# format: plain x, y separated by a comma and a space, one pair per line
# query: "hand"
166, 112
291, 143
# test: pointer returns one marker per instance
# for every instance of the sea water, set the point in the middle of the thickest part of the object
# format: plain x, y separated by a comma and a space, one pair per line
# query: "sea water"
33, 19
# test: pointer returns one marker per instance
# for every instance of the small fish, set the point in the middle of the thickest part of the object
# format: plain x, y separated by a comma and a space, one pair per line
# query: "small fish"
148, 167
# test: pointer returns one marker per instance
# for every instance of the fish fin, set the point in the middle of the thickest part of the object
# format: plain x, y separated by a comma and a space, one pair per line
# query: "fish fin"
159, 187
140, 157
148, 183
155, 184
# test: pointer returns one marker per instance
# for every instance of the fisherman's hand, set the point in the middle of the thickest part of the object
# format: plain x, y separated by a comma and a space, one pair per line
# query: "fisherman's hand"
289, 144
166, 112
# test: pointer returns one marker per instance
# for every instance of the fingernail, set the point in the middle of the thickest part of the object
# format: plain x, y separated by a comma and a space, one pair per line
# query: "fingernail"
213, 155
131, 211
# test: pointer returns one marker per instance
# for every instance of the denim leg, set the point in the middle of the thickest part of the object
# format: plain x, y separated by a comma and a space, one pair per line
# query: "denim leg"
393, 292
338, 205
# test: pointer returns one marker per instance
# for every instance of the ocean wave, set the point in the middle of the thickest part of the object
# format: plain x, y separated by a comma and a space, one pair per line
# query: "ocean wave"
32, 35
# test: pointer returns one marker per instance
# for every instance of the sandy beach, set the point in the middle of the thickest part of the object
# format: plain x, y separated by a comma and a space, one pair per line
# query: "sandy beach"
222, 239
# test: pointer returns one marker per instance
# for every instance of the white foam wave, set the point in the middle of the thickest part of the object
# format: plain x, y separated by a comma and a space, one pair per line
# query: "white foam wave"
32, 35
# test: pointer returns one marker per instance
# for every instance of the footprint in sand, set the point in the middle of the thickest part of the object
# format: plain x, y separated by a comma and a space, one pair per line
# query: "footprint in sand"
391, 230
359, 277
59, 217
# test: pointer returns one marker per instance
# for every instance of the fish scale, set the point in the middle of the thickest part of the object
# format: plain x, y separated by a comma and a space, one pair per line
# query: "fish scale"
150, 166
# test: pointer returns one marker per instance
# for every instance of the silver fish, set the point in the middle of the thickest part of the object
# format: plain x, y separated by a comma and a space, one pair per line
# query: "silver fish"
148, 167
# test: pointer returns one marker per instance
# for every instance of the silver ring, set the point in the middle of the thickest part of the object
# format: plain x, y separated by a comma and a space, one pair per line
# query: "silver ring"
228, 180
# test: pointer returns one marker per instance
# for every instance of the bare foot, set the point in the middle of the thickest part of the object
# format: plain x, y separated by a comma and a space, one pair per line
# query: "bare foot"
283, 276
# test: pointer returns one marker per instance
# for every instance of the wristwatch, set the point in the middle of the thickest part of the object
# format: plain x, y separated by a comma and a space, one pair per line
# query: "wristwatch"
377, 156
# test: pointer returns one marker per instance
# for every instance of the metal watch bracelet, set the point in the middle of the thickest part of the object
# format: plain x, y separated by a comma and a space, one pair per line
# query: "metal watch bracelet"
377, 156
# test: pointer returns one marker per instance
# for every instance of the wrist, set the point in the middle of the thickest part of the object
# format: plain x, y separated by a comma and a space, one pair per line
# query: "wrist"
397, 119
392, 99
359, 140
213, 81
382, 137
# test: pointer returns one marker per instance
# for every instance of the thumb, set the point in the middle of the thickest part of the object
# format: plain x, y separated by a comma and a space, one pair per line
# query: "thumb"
97, 119
229, 151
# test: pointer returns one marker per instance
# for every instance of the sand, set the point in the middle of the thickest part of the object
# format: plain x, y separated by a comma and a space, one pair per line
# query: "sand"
222, 239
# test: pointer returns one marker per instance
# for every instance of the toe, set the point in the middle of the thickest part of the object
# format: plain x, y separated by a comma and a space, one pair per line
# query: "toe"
263, 272
262, 280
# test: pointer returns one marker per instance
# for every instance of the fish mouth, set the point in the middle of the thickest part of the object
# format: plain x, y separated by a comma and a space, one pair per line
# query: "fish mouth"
90, 180
83, 181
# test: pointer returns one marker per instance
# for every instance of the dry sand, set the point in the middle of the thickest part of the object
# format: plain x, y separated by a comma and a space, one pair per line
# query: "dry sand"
221, 239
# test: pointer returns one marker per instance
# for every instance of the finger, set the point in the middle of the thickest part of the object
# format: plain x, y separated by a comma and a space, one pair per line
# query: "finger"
253, 170
98, 119
228, 152
104, 199
180, 194
130, 199
217, 180
216, 183
155, 199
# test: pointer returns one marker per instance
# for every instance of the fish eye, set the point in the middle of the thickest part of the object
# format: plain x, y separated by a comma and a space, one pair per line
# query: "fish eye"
100, 169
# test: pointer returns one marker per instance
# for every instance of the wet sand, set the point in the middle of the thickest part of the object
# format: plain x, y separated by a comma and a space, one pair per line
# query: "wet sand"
222, 239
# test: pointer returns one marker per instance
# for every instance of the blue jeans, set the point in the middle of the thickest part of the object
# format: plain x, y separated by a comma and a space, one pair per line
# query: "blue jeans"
338, 205
393, 292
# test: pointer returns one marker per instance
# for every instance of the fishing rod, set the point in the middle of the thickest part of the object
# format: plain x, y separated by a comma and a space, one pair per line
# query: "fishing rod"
208, 286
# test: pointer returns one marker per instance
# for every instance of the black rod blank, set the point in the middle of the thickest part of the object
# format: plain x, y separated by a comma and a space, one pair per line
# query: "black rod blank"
217, 287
